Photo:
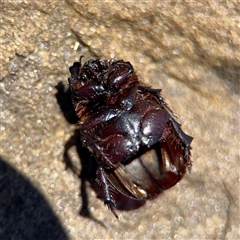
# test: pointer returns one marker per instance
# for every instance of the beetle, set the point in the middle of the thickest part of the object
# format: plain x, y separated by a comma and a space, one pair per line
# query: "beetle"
139, 147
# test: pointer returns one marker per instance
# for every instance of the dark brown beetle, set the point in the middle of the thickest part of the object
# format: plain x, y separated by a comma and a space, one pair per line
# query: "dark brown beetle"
140, 148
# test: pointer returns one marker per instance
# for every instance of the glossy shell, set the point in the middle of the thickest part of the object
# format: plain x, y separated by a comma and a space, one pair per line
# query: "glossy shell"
139, 147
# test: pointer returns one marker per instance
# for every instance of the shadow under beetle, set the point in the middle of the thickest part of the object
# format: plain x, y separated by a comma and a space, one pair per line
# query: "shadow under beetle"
139, 147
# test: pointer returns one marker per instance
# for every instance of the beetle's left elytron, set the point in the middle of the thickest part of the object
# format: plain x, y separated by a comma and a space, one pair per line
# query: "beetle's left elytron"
120, 122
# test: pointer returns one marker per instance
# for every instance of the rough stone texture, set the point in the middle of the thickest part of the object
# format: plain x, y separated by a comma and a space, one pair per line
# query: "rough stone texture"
189, 49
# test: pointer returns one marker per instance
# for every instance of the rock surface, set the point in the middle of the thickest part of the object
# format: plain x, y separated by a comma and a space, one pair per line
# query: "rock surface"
188, 49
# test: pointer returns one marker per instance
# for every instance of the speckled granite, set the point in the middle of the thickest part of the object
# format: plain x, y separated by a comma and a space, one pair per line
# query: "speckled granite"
189, 49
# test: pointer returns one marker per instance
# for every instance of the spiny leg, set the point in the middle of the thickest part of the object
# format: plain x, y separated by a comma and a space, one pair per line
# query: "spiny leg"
156, 93
183, 140
106, 190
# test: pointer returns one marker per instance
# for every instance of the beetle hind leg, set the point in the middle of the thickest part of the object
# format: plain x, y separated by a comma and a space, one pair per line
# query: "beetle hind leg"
185, 141
106, 190
111, 207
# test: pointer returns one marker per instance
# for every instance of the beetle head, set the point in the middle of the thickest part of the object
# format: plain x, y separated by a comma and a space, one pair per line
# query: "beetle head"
94, 70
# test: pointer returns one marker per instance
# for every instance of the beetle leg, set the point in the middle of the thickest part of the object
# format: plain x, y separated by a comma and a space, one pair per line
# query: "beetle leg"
117, 148
106, 190
99, 118
183, 140
156, 93
99, 151
118, 74
128, 97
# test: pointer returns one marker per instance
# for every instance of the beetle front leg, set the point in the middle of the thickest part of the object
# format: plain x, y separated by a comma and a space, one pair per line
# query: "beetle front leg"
156, 93
106, 190
119, 73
